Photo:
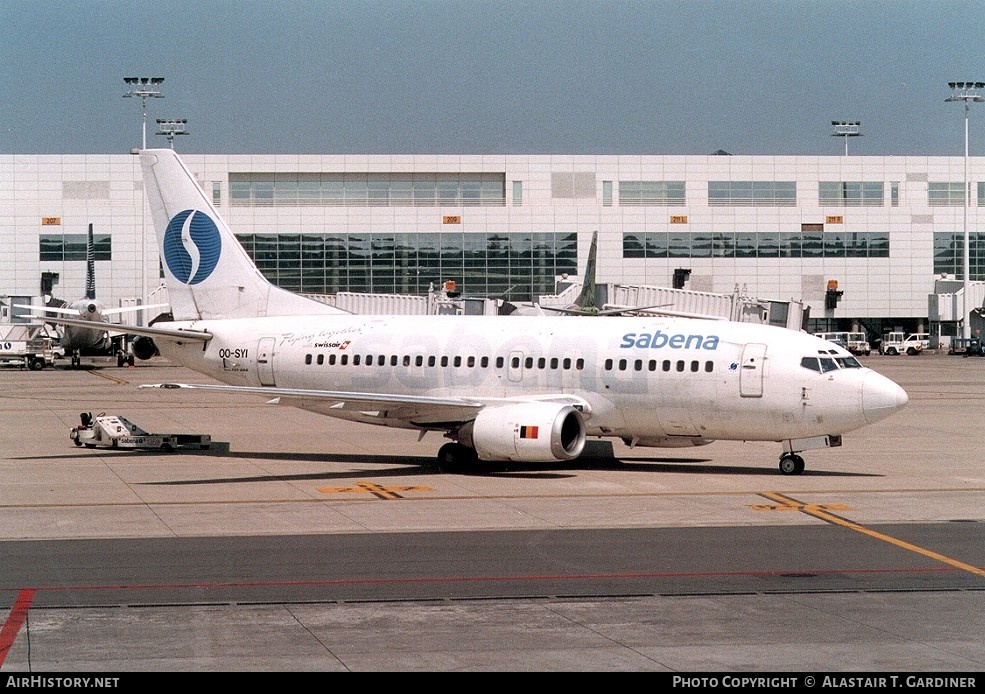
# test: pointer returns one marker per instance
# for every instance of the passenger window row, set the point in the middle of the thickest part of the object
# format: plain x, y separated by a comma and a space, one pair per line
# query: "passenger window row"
666, 365
552, 363
457, 361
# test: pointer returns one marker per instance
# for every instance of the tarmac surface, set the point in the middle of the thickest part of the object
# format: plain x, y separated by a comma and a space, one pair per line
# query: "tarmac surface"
303, 543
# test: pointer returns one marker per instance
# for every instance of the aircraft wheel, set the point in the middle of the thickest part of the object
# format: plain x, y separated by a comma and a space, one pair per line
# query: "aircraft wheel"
791, 464
453, 456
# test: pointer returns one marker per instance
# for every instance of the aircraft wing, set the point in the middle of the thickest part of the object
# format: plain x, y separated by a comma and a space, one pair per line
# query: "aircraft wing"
119, 329
49, 309
612, 310
132, 309
65, 311
421, 410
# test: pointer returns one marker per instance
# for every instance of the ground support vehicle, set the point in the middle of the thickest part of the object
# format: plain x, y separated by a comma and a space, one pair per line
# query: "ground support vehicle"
24, 345
856, 343
114, 431
901, 343
967, 347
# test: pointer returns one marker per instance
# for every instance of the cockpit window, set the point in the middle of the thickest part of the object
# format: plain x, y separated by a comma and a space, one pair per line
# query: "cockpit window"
827, 364
810, 363
848, 362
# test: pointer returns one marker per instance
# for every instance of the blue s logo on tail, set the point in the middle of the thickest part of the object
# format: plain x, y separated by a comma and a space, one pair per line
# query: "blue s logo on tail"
191, 246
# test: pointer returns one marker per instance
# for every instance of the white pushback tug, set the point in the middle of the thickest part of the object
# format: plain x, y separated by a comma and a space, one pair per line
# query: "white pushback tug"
114, 431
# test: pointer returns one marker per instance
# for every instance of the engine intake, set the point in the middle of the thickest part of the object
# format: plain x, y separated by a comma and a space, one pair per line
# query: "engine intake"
143, 347
527, 432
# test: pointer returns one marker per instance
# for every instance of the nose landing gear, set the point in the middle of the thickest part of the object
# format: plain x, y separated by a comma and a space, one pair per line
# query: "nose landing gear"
791, 464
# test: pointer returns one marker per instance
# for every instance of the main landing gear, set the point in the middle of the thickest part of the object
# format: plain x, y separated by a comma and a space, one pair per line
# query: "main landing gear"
453, 456
791, 464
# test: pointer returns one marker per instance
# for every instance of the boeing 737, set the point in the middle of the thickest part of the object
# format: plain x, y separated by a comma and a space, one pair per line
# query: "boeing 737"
510, 388
93, 334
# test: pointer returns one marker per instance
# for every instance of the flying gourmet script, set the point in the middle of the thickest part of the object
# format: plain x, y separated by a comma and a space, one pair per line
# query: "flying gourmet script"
499, 388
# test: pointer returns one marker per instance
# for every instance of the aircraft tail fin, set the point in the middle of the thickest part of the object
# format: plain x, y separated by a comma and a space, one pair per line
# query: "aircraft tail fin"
587, 299
90, 267
207, 272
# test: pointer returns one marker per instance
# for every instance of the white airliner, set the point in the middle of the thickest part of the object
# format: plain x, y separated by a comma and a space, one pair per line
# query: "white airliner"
511, 388
94, 333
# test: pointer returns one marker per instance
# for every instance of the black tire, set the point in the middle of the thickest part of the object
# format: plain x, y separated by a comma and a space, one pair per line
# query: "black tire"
37, 364
455, 456
791, 464
167, 448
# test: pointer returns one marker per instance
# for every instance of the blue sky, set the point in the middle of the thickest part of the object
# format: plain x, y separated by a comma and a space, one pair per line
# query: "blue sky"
492, 76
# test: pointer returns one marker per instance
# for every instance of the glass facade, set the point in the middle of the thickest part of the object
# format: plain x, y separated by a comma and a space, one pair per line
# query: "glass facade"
651, 193
369, 189
752, 193
61, 247
943, 194
851, 193
949, 254
827, 244
512, 266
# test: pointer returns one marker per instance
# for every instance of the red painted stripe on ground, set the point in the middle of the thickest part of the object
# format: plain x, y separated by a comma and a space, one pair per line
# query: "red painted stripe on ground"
16, 619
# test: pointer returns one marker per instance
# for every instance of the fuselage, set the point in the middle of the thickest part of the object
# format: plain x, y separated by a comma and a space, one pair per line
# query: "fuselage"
642, 379
75, 338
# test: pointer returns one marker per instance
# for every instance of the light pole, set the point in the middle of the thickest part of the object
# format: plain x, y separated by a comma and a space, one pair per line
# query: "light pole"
144, 87
846, 129
171, 128
966, 92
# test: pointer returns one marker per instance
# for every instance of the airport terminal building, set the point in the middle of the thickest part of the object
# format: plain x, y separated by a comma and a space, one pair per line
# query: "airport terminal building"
866, 242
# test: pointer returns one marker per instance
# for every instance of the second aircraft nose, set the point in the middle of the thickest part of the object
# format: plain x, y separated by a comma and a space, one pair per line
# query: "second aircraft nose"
881, 397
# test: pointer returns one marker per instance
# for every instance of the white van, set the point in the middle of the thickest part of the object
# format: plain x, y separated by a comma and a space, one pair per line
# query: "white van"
900, 343
856, 343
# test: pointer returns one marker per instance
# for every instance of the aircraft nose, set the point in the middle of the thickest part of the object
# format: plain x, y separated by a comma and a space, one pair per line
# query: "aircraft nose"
881, 397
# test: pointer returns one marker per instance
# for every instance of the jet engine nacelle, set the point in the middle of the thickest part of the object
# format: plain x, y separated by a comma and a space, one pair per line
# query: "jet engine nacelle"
535, 432
143, 347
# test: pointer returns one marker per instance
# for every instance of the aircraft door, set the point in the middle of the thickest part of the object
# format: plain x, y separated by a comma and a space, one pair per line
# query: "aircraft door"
751, 371
265, 361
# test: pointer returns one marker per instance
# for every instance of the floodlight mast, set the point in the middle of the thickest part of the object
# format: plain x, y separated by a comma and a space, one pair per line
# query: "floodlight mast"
846, 129
171, 128
968, 93
145, 88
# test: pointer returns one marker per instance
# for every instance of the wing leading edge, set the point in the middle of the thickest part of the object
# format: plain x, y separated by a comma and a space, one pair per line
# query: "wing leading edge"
416, 410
